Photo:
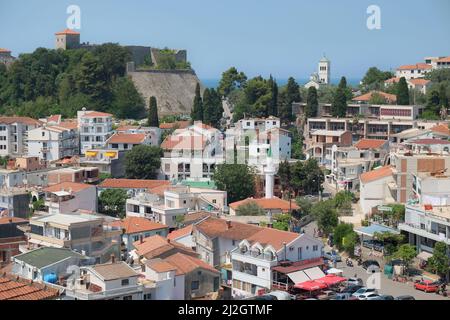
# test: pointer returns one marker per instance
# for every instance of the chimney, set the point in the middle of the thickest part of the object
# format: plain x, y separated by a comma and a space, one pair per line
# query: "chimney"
168, 240
10, 219
228, 224
141, 239
113, 258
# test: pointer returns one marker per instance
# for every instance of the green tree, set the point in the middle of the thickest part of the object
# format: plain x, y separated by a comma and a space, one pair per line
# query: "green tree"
340, 232
273, 105
326, 216
250, 208
212, 107
281, 222
377, 98
112, 202
312, 103
284, 173
439, 262
402, 92
153, 120
406, 253
291, 95
127, 102
197, 108
231, 80
339, 105
374, 79
143, 162
238, 180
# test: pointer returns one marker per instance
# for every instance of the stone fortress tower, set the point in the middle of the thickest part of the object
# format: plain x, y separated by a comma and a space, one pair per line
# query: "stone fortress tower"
324, 70
67, 39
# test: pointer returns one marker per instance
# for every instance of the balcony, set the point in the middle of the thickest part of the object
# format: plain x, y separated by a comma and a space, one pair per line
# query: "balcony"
85, 294
423, 232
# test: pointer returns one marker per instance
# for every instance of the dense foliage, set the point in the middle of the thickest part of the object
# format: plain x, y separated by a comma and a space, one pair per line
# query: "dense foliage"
63, 81
143, 162
238, 180
112, 202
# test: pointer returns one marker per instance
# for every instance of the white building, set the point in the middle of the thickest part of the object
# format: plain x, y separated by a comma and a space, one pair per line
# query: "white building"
12, 178
255, 258
52, 143
193, 152
67, 197
95, 128
412, 71
164, 279
153, 134
14, 135
126, 141
375, 188
322, 76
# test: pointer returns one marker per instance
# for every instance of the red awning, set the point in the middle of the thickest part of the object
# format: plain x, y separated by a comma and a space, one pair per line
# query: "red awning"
311, 285
331, 279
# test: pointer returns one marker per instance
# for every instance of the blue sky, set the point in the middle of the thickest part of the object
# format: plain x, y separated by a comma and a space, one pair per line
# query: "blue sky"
281, 37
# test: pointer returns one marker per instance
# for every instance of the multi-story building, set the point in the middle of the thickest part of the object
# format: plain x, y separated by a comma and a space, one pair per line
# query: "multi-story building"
11, 238
153, 134
255, 259
51, 143
87, 234
67, 197
126, 141
319, 140
443, 63
135, 186
14, 135
417, 84
12, 178
74, 175
108, 161
67, 39
14, 202
193, 152
95, 128
412, 71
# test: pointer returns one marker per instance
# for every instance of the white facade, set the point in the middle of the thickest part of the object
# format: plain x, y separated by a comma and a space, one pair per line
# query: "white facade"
67, 201
153, 134
375, 193
52, 143
12, 178
14, 135
94, 129
165, 285
324, 71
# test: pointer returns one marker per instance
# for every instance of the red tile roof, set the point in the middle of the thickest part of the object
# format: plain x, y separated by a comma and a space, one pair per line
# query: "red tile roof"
54, 118
66, 186
125, 128
429, 141
392, 80
25, 120
419, 81
94, 114
274, 237
441, 129
69, 124
3, 50
137, 225
446, 59
15, 288
267, 204
176, 124
368, 96
130, 138
182, 142
179, 233
133, 183
364, 144
421, 66
67, 31
7, 220
187, 264
156, 246
215, 227
376, 174
160, 265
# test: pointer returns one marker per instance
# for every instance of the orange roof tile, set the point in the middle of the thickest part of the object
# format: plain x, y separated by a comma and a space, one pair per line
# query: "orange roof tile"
7, 220
156, 246
94, 114
3, 50
127, 138
160, 265
376, 174
25, 120
267, 204
15, 288
392, 80
368, 96
176, 124
66, 186
421, 66
137, 225
69, 124
179, 233
364, 144
187, 264
441, 129
274, 237
125, 128
182, 142
133, 183
215, 227
67, 31
446, 59
419, 81
54, 118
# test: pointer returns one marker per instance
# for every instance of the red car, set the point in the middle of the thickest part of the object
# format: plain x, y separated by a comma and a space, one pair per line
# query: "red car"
426, 286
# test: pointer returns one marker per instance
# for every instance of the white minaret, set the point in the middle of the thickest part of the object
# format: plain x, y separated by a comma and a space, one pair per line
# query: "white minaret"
269, 171
324, 70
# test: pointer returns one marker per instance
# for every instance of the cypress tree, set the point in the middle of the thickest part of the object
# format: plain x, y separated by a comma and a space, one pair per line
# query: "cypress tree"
292, 95
153, 120
208, 107
443, 99
273, 107
312, 103
402, 92
339, 105
197, 108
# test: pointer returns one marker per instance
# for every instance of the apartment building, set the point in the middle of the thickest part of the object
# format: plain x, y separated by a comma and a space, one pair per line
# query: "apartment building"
152, 134
11, 238
14, 135
319, 140
67, 197
74, 175
108, 161
412, 71
51, 143
14, 202
87, 234
126, 141
94, 127
135, 186
193, 152
375, 188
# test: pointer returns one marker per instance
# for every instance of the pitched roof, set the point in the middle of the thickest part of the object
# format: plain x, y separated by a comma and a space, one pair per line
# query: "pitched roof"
267, 204
133, 183
155, 246
176, 124
364, 144
126, 127
184, 142
368, 96
273, 237
422, 66
392, 80
15, 288
186, 264
54, 118
419, 81
160, 265
25, 120
445, 59
137, 225
376, 174
429, 141
66, 186
441, 129
3, 50
94, 114
67, 31
7, 220
132, 138
179, 233
113, 271
45, 256
215, 227
191, 218
69, 124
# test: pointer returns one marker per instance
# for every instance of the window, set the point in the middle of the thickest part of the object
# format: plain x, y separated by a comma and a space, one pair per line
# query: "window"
315, 247
125, 282
148, 296
115, 146
195, 285
128, 298
216, 284
43, 133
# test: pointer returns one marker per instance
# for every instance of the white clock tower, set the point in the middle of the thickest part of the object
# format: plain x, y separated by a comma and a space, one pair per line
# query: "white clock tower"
324, 70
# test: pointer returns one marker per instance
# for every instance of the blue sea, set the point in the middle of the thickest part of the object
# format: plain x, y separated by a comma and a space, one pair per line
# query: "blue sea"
214, 83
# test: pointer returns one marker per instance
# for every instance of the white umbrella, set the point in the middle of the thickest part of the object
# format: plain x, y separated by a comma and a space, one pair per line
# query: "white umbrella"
334, 271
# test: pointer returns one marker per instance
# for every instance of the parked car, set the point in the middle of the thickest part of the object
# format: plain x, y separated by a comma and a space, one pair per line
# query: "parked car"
355, 282
369, 296
282, 295
406, 297
371, 265
342, 296
351, 289
427, 286
326, 295
373, 244
363, 291
332, 255
264, 297
383, 297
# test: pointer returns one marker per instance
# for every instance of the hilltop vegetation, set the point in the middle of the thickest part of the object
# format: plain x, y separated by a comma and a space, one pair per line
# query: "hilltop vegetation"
55, 81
